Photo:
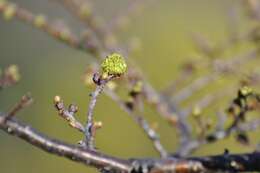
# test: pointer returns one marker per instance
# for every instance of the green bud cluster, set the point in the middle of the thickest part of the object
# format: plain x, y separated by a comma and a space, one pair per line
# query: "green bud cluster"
114, 64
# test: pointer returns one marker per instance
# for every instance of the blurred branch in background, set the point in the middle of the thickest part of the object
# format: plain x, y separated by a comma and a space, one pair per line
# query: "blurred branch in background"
101, 42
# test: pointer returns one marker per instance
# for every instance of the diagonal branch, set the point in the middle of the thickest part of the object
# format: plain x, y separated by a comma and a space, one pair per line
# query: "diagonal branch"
224, 162
41, 23
151, 134
59, 148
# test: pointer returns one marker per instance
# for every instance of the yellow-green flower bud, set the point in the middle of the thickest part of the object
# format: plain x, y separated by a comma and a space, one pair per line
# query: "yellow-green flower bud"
57, 99
98, 124
138, 87
111, 85
39, 21
196, 112
13, 71
245, 91
88, 79
64, 35
114, 64
9, 11
85, 10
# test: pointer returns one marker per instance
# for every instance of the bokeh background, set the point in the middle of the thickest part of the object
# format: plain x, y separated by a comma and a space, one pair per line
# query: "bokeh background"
50, 68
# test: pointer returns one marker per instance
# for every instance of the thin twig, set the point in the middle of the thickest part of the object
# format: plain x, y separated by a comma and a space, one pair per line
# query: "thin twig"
68, 114
41, 23
24, 102
89, 128
219, 68
153, 136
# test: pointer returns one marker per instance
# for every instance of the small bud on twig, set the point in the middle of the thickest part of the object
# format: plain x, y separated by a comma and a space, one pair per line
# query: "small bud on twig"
97, 125
73, 108
13, 73
196, 112
57, 99
68, 114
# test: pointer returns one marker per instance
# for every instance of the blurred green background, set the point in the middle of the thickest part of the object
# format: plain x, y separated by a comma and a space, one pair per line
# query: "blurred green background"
50, 68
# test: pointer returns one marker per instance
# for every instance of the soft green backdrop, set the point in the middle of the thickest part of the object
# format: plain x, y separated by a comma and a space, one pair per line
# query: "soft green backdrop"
49, 68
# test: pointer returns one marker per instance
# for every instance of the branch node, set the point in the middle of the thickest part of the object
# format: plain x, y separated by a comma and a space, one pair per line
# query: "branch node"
68, 114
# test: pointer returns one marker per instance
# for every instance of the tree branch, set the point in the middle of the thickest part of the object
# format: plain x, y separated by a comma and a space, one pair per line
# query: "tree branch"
224, 162
72, 152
